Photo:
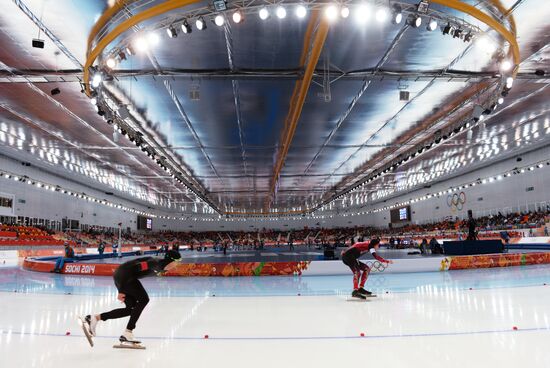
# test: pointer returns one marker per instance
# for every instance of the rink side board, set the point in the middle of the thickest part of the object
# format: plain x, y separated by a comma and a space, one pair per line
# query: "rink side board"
308, 268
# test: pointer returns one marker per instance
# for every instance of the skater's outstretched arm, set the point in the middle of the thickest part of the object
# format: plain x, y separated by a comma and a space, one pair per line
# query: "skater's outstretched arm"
378, 258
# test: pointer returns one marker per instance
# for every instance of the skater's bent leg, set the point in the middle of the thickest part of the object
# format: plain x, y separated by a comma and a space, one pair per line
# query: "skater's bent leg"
364, 275
120, 312
356, 274
139, 293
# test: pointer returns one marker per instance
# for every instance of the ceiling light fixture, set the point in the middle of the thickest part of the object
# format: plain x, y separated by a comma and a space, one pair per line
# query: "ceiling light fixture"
363, 14
281, 12
237, 17
111, 63
200, 24
506, 65
141, 44
509, 82
186, 27
485, 43
171, 31
331, 13
397, 15
301, 11
415, 21
344, 12
264, 13
458, 33
432, 26
219, 20
96, 80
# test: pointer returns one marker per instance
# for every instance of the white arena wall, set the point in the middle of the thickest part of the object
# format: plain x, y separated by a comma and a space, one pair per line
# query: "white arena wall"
30, 201
521, 192
507, 195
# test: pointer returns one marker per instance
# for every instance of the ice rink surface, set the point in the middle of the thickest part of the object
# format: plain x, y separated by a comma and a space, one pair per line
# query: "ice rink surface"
439, 319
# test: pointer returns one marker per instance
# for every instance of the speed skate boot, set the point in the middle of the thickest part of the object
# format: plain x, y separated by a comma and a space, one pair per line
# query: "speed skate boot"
357, 294
128, 337
364, 292
91, 323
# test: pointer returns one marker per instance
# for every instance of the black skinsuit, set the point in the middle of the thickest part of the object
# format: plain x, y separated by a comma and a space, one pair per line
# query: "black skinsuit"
127, 282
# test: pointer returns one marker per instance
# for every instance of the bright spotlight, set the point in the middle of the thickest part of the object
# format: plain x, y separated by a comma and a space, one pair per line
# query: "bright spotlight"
505, 65
186, 27
153, 39
111, 63
415, 21
237, 17
141, 44
200, 24
331, 12
344, 12
171, 32
363, 13
397, 15
96, 80
93, 101
219, 20
301, 11
381, 15
281, 12
432, 26
486, 44
397, 18
509, 82
500, 100
264, 13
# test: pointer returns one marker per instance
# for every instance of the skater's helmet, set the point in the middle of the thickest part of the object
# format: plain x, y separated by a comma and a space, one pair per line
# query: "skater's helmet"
375, 240
172, 255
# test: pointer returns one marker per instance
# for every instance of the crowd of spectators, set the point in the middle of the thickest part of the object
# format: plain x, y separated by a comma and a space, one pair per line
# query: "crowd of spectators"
401, 237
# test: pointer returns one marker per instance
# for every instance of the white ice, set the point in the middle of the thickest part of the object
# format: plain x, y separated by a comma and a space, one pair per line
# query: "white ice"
425, 327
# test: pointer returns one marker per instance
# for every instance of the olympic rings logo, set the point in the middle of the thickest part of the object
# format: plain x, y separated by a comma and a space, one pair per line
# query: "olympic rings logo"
376, 265
456, 201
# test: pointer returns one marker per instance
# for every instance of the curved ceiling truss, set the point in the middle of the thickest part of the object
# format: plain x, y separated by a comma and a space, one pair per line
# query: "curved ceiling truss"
110, 40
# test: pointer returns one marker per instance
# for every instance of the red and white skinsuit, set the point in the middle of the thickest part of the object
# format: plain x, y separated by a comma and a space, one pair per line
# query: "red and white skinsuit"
360, 270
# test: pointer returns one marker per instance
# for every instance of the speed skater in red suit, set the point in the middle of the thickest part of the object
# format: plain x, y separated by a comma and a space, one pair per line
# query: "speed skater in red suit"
360, 270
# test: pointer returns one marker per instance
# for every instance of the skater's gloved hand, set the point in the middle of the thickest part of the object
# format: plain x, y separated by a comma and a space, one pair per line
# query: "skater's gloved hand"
389, 261
121, 297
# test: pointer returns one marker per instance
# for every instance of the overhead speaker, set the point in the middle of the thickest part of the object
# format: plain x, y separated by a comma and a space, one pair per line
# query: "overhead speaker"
38, 43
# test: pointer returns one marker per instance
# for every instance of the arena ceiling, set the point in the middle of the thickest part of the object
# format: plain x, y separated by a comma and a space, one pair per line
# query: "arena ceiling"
217, 102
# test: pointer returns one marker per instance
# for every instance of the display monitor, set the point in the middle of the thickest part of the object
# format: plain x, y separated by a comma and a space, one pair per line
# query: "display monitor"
144, 223
401, 214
